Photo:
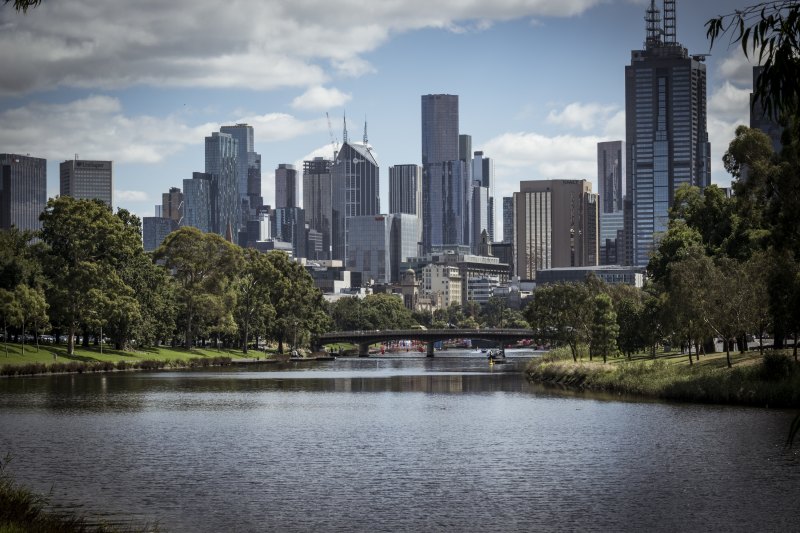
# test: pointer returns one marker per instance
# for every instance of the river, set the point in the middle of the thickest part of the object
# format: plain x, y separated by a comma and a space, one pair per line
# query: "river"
392, 444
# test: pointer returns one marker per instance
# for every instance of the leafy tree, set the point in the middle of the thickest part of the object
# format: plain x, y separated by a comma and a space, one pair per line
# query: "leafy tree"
203, 265
18, 259
85, 246
629, 317
154, 290
604, 329
677, 243
494, 312
32, 311
683, 305
253, 307
562, 313
10, 310
651, 320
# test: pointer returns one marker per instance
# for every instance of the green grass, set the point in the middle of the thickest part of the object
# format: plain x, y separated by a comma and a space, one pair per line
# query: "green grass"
756, 380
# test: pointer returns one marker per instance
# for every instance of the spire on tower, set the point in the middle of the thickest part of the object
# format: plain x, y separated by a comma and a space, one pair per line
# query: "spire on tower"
669, 22
344, 132
365, 130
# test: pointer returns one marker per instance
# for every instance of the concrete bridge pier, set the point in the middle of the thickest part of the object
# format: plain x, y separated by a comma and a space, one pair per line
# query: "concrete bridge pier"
363, 349
430, 348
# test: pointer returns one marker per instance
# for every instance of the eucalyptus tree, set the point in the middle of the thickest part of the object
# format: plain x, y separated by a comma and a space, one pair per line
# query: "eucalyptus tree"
204, 266
32, 311
562, 313
254, 310
604, 328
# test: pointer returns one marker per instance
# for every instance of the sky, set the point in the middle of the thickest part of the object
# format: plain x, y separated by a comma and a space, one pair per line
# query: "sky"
540, 82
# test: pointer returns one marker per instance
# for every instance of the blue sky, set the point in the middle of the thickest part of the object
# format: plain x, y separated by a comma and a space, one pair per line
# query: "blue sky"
142, 83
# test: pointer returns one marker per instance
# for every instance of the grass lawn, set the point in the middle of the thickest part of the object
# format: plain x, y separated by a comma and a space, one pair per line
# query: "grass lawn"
49, 353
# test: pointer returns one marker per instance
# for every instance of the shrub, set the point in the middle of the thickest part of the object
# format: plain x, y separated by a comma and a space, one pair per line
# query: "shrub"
776, 365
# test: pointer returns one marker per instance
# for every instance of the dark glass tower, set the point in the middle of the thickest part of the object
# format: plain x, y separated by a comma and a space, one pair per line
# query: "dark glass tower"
665, 128
221, 163
355, 177
317, 199
23, 191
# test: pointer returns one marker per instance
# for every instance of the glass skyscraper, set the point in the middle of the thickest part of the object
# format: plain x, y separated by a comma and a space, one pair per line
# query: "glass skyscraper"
198, 202
23, 191
317, 199
287, 186
248, 169
222, 163
355, 180
665, 129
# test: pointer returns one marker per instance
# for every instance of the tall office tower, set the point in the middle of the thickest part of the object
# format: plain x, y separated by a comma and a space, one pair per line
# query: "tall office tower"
759, 118
248, 163
172, 204
405, 189
287, 186
465, 147
444, 211
289, 225
555, 225
355, 178
155, 230
199, 205
222, 163
479, 219
87, 180
611, 175
665, 128
255, 200
317, 200
378, 244
483, 171
440, 145
23, 191
508, 219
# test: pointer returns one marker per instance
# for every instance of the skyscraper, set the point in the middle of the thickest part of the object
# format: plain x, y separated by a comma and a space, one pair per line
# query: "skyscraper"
405, 189
555, 225
87, 180
483, 171
222, 164
759, 119
23, 191
199, 204
355, 179
155, 230
287, 186
665, 128
172, 204
445, 177
248, 169
508, 219
317, 199
611, 175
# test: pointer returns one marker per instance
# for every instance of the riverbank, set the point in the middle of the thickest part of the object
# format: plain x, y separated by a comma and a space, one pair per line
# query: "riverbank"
54, 359
772, 380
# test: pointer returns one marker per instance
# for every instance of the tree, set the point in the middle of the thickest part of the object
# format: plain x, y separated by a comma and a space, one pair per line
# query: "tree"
32, 311
604, 327
562, 313
253, 307
767, 31
203, 265
677, 243
86, 245
686, 282
18, 259
9, 309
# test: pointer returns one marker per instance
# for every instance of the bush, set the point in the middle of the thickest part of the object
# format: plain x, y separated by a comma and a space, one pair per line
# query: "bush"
776, 365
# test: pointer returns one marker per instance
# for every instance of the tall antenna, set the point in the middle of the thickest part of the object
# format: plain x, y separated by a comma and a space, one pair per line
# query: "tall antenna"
669, 22
653, 19
334, 142
365, 130
344, 131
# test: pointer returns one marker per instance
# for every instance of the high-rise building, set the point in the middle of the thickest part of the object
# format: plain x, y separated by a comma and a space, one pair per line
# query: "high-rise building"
441, 147
479, 223
355, 179
508, 219
87, 180
317, 200
759, 119
405, 189
155, 230
248, 169
555, 225
172, 205
222, 164
287, 186
611, 175
483, 171
665, 128
23, 191
199, 203
289, 225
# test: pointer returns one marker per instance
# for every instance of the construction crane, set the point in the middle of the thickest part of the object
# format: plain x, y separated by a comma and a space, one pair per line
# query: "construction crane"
334, 141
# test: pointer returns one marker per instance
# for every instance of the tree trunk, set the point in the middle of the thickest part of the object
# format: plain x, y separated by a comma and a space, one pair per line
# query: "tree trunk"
23, 336
71, 340
574, 349
795, 347
189, 331
244, 332
690, 353
728, 352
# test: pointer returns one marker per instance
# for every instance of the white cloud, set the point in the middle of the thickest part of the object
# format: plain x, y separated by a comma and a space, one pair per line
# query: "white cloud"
319, 98
246, 44
130, 196
737, 68
728, 107
582, 116
97, 128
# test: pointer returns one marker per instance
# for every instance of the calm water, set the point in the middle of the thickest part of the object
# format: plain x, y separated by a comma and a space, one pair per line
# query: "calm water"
392, 445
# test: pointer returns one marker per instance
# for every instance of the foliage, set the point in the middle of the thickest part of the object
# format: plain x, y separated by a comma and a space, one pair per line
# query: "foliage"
562, 313
254, 310
604, 328
770, 33
24, 5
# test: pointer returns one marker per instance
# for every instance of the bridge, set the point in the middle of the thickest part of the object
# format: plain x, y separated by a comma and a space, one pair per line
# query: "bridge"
365, 338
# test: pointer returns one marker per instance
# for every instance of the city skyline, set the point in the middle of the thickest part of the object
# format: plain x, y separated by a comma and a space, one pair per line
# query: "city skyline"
152, 124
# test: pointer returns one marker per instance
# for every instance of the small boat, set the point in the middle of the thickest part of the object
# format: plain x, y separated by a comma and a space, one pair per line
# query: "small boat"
496, 356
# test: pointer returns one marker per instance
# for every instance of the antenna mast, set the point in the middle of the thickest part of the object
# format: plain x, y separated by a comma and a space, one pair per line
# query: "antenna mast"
365, 130
669, 23
344, 131
654, 30
334, 142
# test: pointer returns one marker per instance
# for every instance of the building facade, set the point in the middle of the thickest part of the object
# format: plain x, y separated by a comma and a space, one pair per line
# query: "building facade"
248, 170
317, 200
508, 219
289, 225
405, 189
198, 202
483, 172
555, 225
87, 180
222, 164
287, 186
665, 128
172, 205
355, 191
23, 191
155, 230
